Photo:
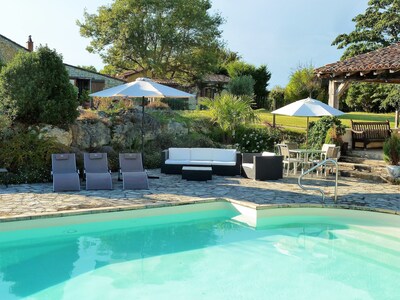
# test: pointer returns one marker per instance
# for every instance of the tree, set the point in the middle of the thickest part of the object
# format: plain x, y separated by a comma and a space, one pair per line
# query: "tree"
176, 39
35, 88
303, 84
261, 76
229, 112
241, 85
276, 98
378, 27
368, 97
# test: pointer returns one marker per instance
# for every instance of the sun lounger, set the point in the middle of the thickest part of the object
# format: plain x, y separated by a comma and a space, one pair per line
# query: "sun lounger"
64, 172
131, 168
97, 174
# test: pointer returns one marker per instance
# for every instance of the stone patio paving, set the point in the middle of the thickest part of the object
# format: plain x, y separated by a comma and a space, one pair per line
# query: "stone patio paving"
37, 199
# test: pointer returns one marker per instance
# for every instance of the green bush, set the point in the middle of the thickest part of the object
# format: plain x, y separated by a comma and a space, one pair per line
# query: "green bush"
157, 105
318, 130
176, 104
391, 150
242, 85
35, 88
28, 158
255, 140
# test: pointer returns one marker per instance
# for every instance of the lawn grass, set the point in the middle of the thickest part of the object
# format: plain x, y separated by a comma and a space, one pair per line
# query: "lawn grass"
299, 123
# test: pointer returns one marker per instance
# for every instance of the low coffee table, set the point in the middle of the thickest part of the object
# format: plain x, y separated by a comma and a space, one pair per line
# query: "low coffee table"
197, 173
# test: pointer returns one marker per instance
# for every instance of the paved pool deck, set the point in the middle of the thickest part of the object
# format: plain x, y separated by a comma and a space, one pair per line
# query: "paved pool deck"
32, 200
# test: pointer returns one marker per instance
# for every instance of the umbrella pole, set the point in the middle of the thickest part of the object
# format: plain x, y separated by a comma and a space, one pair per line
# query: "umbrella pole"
142, 129
307, 131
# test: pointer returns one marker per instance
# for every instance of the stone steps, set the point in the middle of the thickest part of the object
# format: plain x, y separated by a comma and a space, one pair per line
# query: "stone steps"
363, 168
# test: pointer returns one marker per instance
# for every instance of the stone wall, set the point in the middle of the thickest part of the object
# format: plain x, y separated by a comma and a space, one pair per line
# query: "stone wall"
8, 49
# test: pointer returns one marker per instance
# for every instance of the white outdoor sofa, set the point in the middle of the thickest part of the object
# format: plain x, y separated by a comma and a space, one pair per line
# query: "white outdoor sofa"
222, 161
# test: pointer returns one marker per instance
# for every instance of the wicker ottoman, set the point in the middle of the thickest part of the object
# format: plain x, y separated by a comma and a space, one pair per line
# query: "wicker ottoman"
196, 173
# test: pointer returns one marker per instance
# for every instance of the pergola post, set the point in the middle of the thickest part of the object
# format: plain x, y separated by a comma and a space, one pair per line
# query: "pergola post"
336, 89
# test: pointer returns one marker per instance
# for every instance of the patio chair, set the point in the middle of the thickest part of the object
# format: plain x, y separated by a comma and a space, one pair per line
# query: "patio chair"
134, 177
287, 159
331, 152
64, 172
97, 174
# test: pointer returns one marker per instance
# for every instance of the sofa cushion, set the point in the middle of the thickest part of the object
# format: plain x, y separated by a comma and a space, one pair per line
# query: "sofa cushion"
224, 155
223, 163
179, 153
201, 162
201, 153
268, 154
177, 162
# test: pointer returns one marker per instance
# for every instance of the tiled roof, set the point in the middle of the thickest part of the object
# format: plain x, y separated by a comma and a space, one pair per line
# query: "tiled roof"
216, 78
387, 58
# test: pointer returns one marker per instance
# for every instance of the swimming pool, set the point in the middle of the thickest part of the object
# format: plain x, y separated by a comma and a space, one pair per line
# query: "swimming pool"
203, 251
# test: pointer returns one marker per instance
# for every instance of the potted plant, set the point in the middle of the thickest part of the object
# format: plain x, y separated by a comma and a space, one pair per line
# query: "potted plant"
391, 155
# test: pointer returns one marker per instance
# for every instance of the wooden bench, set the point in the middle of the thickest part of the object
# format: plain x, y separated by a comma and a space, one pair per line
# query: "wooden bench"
369, 132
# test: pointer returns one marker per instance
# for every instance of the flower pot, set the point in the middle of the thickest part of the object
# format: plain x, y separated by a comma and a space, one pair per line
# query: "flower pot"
393, 171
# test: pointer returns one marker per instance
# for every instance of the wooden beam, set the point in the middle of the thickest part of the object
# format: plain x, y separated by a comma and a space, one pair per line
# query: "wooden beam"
364, 73
378, 72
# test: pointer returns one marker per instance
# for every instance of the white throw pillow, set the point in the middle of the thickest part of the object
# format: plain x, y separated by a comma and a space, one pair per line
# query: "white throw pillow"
224, 154
201, 153
179, 153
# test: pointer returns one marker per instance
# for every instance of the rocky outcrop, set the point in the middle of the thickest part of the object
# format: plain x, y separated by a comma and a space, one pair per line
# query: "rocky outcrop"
177, 128
62, 136
121, 131
90, 134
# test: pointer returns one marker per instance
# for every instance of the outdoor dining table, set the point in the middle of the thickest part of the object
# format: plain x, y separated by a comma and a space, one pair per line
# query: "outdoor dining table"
306, 155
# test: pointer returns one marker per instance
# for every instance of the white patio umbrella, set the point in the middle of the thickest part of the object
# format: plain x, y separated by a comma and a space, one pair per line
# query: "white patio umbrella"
308, 108
142, 88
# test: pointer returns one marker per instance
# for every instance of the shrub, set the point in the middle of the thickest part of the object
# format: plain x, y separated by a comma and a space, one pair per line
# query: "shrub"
230, 112
157, 105
256, 140
317, 130
35, 88
242, 85
176, 103
28, 158
333, 137
391, 150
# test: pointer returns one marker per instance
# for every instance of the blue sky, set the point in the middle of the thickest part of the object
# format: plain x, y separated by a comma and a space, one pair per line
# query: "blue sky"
281, 34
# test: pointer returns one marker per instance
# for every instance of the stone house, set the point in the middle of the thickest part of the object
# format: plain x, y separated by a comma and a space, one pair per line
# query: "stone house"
83, 79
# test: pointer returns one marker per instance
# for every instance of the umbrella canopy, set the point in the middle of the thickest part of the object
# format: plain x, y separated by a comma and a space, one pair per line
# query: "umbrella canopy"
308, 108
142, 87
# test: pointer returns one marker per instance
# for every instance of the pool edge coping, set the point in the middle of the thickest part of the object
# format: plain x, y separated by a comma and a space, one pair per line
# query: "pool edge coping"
98, 210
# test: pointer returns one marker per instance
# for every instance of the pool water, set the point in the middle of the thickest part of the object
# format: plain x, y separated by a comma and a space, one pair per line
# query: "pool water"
201, 255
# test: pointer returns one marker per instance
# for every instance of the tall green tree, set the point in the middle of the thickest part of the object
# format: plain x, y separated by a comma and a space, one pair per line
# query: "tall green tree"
241, 85
261, 76
377, 27
35, 88
176, 39
303, 84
